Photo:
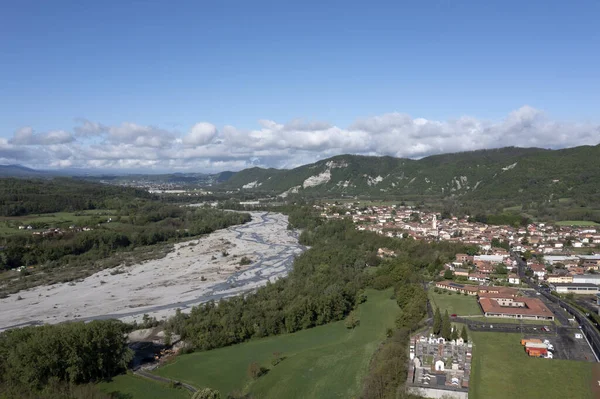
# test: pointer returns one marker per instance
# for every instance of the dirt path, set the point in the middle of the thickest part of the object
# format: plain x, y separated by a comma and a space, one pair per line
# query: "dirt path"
145, 374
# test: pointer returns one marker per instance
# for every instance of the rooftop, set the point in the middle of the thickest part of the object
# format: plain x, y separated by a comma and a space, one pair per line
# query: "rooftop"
533, 307
581, 285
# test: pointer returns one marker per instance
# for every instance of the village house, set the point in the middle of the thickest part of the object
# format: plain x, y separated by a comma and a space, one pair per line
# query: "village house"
538, 270
559, 278
461, 288
479, 277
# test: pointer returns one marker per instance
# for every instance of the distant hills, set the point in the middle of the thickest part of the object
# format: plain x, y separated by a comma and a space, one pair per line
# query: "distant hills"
510, 174
507, 173
197, 179
20, 171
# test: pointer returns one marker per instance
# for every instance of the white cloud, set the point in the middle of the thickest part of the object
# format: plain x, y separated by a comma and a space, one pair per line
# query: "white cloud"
139, 135
89, 128
201, 133
26, 136
273, 144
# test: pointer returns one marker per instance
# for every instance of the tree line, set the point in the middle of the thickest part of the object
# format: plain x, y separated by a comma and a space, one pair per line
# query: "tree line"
51, 358
142, 224
325, 285
19, 197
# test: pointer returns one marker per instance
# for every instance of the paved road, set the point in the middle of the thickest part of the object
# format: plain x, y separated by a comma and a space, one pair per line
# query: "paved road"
265, 268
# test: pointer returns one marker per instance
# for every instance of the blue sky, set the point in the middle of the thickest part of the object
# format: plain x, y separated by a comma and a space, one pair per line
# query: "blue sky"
165, 66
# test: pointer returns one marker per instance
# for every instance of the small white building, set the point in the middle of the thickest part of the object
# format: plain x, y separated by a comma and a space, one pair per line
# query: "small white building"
514, 279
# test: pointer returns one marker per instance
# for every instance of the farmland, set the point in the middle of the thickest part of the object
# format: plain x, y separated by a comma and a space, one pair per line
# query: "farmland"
10, 225
325, 361
502, 369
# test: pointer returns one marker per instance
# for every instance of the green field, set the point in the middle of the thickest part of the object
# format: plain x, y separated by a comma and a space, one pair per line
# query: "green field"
499, 320
323, 362
131, 386
458, 304
10, 225
577, 223
502, 370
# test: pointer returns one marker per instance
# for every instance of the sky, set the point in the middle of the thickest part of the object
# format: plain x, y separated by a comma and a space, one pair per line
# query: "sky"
205, 86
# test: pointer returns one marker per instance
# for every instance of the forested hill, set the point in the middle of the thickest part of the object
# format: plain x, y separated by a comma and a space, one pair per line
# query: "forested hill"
523, 173
20, 197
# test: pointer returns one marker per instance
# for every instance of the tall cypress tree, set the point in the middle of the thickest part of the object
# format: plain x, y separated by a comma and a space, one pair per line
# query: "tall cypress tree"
454, 333
446, 326
437, 322
463, 334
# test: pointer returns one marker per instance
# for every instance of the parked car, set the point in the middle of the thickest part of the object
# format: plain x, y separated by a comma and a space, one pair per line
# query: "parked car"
453, 315
545, 328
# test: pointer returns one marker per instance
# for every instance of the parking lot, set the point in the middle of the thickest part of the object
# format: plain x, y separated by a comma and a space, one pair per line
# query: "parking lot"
566, 346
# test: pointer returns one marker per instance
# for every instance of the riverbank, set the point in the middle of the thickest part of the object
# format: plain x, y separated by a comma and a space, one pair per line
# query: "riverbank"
194, 272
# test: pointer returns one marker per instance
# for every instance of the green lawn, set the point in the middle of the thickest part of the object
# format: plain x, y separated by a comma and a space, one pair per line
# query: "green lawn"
498, 320
131, 386
9, 225
502, 370
458, 304
324, 362
577, 223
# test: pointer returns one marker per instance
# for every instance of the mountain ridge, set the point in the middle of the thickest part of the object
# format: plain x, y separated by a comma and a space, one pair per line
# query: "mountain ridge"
524, 173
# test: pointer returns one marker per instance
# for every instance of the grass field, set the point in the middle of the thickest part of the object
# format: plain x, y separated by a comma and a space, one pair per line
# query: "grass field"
9, 225
324, 362
458, 304
577, 223
130, 386
502, 370
499, 320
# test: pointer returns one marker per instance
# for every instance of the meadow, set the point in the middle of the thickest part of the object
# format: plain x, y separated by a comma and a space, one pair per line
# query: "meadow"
132, 386
501, 370
576, 223
459, 304
10, 224
328, 361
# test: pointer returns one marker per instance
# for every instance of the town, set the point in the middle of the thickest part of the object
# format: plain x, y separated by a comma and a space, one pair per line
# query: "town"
564, 256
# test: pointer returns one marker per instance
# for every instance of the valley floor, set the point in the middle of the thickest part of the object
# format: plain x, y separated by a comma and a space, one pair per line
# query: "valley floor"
195, 271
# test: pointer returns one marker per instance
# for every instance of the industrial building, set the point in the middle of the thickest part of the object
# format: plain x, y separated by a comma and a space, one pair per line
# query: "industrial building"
575, 288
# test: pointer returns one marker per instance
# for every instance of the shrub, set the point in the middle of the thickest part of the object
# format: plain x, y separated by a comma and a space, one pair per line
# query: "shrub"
352, 321
206, 393
255, 370
245, 261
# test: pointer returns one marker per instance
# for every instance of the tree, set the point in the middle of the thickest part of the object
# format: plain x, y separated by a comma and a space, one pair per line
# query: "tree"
454, 335
207, 393
437, 322
463, 334
448, 274
351, 321
446, 326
